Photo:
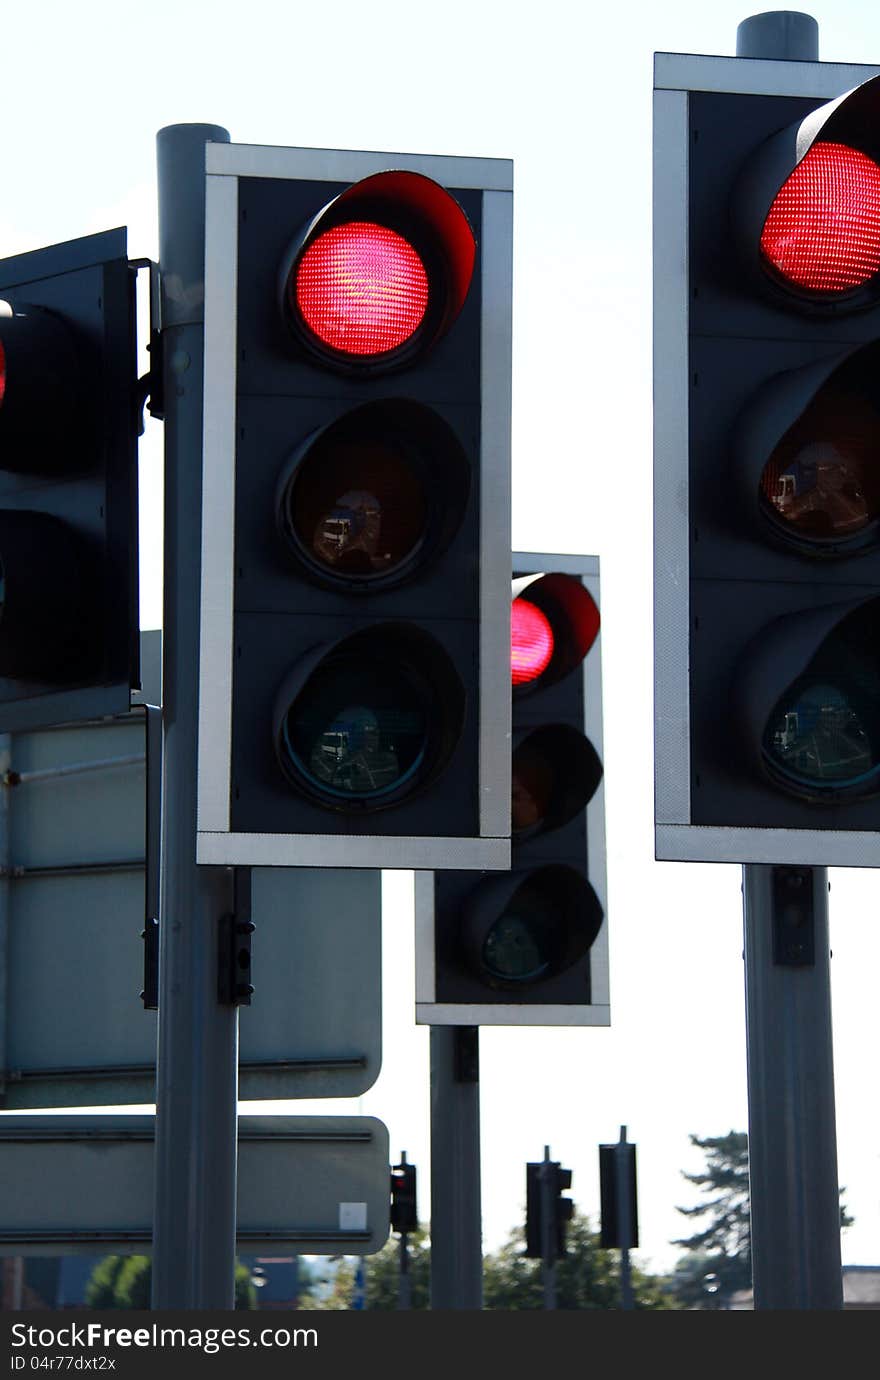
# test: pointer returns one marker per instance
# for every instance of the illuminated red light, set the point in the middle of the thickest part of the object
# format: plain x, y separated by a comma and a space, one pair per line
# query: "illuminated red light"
531, 642
822, 232
361, 288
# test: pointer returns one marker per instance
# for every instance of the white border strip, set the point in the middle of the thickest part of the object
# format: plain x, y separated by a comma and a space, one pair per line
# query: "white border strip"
349, 165
807, 847
352, 850
756, 76
218, 504
495, 514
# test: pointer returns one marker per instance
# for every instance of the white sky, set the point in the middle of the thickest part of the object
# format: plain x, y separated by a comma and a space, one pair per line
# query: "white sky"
564, 90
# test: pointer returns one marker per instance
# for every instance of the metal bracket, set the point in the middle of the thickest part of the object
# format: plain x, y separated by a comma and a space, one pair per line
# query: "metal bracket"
466, 1054
153, 844
234, 987
150, 384
794, 938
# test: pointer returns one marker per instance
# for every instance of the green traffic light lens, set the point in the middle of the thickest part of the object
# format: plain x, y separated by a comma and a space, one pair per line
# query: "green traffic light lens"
524, 944
822, 739
369, 720
357, 732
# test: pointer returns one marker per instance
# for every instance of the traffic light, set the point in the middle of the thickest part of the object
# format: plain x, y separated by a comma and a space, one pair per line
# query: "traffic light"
616, 1162
767, 427
546, 1183
404, 1215
356, 510
68, 483
530, 946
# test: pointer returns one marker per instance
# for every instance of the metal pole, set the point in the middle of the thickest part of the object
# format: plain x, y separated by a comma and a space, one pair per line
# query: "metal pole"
456, 1228
548, 1233
624, 1218
196, 1075
795, 1204
795, 1213
404, 1283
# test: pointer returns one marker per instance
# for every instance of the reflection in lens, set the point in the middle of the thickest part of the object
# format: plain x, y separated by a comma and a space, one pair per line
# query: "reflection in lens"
822, 482
820, 737
522, 945
357, 731
357, 508
824, 732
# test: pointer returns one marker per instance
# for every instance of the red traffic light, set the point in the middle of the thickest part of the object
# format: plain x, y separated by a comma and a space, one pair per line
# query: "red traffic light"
531, 642
380, 273
822, 232
361, 288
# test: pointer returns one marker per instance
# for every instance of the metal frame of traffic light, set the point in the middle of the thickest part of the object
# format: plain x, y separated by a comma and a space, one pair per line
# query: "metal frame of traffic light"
229, 167
432, 1008
777, 95
69, 641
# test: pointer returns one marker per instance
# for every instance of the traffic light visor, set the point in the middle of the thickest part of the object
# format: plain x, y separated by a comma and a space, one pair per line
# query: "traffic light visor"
379, 273
554, 623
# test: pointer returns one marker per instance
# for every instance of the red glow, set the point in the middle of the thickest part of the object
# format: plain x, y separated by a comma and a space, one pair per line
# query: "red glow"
531, 642
361, 288
822, 232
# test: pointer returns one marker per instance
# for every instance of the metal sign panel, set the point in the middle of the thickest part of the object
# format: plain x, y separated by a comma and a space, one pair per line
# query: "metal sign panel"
73, 1030
309, 1185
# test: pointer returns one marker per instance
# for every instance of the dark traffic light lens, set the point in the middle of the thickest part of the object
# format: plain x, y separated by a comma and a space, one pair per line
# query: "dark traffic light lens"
820, 489
376, 717
526, 942
554, 775
822, 233
822, 738
361, 288
375, 496
357, 508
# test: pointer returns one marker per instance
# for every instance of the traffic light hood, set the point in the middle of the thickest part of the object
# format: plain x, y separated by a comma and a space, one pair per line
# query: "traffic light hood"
823, 414
835, 647
850, 125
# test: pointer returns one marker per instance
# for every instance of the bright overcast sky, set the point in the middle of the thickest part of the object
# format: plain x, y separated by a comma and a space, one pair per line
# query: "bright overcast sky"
565, 91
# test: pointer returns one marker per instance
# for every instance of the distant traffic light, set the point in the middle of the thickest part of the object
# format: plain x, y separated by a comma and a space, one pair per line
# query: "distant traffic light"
404, 1212
68, 483
617, 1190
548, 1211
767, 424
529, 946
354, 622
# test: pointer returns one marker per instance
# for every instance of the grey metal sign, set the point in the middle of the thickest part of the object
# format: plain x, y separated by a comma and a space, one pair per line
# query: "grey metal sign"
310, 1185
73, 1030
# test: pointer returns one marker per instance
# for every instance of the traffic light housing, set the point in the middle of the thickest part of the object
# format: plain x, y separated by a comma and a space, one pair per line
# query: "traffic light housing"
530, 946
355, 510
404, 1213
767, 420
68, 483
616, 1161
561, 1209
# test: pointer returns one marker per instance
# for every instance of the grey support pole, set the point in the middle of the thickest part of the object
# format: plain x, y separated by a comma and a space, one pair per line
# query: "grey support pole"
792, 1143
548, 1232
624, 1220
456, 1227
197, 1073
795, 1213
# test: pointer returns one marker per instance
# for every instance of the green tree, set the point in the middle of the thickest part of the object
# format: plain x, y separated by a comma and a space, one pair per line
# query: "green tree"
586, 1277
125, 1281
719, 1259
